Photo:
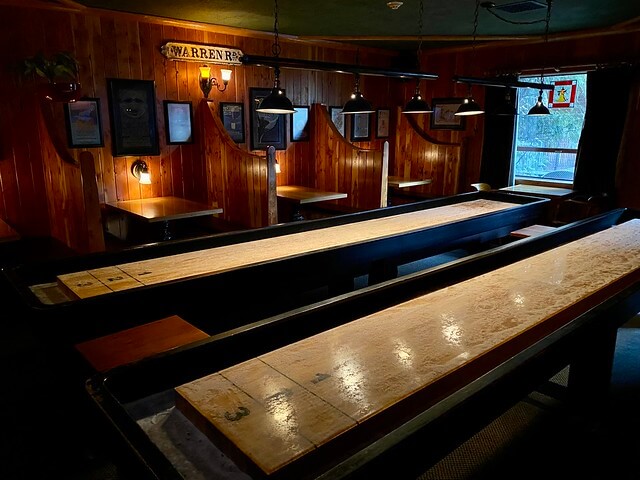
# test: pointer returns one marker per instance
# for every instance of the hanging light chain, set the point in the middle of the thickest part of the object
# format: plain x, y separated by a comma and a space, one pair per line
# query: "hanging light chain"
275, 48
547, 20
475, 30
420, 15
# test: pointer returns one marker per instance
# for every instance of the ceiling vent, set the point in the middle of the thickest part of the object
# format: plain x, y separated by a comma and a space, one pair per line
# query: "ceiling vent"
520, 7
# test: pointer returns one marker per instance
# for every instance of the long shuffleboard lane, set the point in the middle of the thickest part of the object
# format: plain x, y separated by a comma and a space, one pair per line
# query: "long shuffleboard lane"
398, 361
220, 259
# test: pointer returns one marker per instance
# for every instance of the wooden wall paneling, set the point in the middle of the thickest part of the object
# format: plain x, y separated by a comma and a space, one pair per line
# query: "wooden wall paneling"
189, 170
161, 67
171, 92
26, 196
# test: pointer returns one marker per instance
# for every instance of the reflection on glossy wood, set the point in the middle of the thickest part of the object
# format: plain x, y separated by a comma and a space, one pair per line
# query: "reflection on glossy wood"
301, 195
162, 209
374, 363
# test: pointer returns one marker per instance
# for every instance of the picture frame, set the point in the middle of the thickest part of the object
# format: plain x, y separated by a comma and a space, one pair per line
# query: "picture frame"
178, 122
232, 116
300, 124
382, 122
265, 128
83, 122
443, 116
360, 127
338, 119
132, 108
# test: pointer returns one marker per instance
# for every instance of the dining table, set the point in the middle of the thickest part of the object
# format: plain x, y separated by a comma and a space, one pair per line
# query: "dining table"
163, 209
299, 195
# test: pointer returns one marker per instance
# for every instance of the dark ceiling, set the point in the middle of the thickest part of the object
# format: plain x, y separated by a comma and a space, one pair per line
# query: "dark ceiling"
372, 22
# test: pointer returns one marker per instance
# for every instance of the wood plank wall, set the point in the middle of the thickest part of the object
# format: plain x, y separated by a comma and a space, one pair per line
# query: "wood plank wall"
113, 45
116, 45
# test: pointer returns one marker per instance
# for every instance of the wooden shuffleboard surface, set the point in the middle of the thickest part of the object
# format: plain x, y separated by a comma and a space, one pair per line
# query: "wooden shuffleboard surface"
273, 411
114, 278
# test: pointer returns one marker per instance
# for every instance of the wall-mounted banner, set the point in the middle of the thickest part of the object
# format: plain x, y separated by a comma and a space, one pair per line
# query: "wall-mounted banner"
196, 52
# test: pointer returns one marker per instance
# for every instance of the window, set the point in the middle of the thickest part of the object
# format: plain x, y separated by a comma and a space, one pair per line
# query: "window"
545, 147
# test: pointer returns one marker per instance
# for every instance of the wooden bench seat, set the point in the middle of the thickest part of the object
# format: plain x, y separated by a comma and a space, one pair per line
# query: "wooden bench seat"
133, 344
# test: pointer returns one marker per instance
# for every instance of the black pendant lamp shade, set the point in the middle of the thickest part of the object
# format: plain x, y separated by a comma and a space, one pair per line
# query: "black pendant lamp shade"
469, 107
539, 108
276, 101
357, 103
417, 104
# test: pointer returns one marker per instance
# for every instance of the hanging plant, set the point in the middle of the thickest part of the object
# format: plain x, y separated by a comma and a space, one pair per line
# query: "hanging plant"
61, 72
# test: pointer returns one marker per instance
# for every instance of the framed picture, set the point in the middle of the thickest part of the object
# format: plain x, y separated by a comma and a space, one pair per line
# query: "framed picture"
232, 116
337, 118
443, 117
266, 128
132, 108
300, 124
360, 127
84, 128
177, 119
382, 123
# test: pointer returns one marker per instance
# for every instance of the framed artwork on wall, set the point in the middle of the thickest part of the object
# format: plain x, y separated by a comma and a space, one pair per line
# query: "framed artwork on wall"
300, 124
443, 116
232, 116
382, 123
177, 119
84, 128
132, 108
360, 127
266, 128
337, 119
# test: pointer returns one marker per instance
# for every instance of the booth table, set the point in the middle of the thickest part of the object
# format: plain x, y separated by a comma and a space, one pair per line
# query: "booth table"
301, 195
163, 209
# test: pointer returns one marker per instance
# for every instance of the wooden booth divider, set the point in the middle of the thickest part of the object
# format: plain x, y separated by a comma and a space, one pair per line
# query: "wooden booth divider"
241, 183
71, 190
341, 166
419, 155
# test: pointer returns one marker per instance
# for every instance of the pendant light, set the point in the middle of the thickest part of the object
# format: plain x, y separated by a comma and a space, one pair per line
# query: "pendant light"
469, 106
417, 104
276, 101
540, 109
357, 103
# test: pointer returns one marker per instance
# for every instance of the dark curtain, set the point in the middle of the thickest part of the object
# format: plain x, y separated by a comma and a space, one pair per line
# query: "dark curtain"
498, 138
607, 102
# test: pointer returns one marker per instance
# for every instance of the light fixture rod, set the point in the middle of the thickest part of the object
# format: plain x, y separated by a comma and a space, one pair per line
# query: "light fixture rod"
496, 82
296, 63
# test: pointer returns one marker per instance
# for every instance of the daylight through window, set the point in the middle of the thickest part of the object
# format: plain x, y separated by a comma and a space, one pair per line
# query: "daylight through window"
545, 147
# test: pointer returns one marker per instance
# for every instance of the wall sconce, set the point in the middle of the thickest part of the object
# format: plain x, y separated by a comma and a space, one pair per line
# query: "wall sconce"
207, 81
140, 170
